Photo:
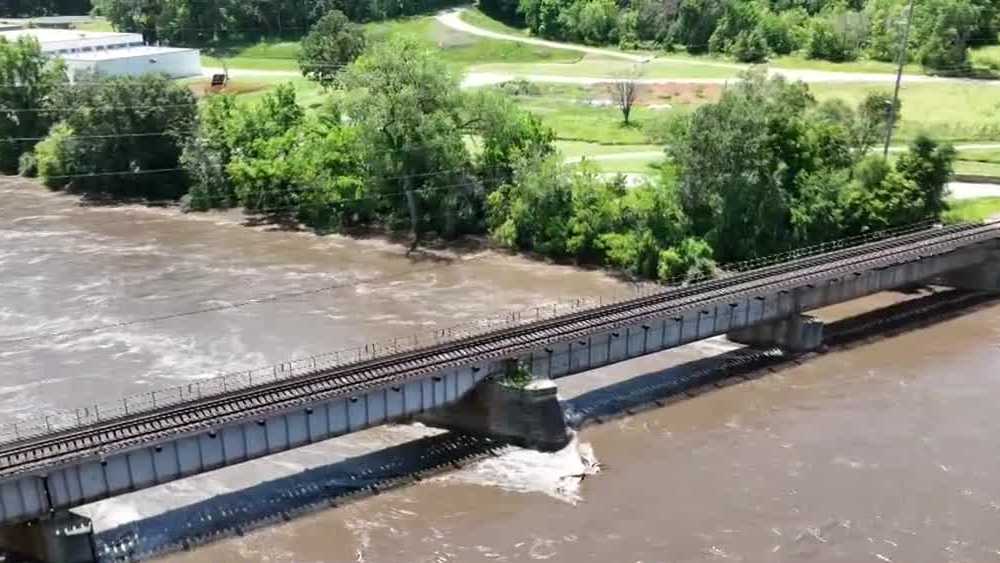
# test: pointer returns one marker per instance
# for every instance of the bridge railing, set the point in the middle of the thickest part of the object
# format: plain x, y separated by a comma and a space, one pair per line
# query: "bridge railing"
240, 380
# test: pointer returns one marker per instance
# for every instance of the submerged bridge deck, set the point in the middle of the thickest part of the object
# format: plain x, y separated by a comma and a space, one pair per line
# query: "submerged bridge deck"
37, 455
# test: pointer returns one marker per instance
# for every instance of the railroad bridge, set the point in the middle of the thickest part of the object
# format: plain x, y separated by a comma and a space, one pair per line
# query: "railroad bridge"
66, 460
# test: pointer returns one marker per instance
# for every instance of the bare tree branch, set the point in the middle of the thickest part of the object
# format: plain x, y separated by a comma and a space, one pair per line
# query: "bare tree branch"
624, 92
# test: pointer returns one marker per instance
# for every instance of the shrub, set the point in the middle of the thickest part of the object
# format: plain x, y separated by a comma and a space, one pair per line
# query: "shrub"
27, 165
750, 47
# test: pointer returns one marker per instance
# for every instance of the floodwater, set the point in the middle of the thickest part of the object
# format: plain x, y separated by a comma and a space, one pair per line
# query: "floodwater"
884, 452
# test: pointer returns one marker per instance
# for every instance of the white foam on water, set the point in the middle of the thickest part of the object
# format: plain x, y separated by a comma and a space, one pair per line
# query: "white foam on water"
558, 474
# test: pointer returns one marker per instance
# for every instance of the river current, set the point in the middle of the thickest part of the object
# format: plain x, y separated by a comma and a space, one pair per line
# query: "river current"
884, 452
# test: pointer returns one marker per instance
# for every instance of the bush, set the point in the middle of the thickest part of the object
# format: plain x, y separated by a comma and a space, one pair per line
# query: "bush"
692, 258
27, 165
785, 32
331, 44
750, 47
836, 37
628, 34
947, 46
503, 10
521, 87
592, 21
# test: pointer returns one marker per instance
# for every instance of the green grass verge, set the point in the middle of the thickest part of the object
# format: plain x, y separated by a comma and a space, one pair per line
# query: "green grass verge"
986, 57
978, 163
576, 121
266, 55
947, 111
973, 210
797, 61
577, 149
98, 24
599, 66
627, 159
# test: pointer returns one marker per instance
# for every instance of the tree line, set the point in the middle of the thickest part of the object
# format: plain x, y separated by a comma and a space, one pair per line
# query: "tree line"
398, 145
34, 8
753, 30
204, 21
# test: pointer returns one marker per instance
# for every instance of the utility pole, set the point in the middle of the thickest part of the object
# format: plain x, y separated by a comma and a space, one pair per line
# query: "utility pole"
899, 78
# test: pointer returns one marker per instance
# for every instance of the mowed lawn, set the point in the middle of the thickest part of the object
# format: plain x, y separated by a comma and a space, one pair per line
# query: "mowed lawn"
460, 49
947, 111
266, 55
601, 66
978, 163
979, 209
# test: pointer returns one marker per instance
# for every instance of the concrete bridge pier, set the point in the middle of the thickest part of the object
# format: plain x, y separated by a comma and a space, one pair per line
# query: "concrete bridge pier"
526, 414
64, 537
797, 333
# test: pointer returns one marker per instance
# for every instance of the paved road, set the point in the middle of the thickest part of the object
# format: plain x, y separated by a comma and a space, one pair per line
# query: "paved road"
967, 190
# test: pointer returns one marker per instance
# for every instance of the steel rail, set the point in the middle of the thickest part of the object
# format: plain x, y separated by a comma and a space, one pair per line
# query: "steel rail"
309, 385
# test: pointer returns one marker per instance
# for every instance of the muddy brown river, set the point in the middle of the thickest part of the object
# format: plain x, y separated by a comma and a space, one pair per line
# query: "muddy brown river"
885, 452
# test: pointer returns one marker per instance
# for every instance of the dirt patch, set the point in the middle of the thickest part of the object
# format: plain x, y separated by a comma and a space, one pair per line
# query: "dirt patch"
202, 88
669, 93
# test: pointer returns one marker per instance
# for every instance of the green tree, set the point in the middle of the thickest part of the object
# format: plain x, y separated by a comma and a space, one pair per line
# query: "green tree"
27, 79
504, 10
543, 16
738, 162
330, 45
410, 112
120, 137
207, 154
928, 164
946, 45
696, 23
311, 172
506, 133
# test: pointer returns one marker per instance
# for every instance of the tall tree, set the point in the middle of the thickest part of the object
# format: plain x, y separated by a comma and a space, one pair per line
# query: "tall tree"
119, 136
331, 44
409, 108
27, 80
624, 92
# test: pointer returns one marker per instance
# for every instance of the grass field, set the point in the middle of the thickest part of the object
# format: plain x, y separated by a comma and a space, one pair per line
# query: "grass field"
978, 163
987, 57
598, 66
266, 55
978, 209
866, 66
947, 111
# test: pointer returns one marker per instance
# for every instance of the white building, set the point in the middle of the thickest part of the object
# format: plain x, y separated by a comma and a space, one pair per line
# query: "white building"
111, 54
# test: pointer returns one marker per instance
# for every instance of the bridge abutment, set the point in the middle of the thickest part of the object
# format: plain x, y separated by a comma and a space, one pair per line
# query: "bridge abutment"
797, 333
64, 537
527, 415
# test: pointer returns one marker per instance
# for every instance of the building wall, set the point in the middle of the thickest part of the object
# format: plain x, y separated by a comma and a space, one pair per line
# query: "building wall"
175, 65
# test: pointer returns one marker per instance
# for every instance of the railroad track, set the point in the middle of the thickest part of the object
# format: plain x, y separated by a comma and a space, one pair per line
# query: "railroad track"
176, 420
